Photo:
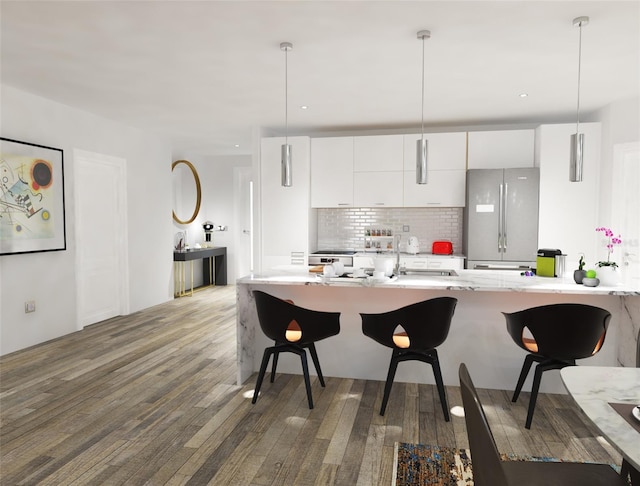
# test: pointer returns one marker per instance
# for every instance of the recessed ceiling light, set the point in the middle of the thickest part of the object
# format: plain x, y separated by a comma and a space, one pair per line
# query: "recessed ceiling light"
524, 95
237, 145
304, 107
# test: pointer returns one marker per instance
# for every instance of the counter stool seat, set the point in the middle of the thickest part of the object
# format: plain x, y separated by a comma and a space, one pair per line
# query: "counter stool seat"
413, 332
293, 329
559, 335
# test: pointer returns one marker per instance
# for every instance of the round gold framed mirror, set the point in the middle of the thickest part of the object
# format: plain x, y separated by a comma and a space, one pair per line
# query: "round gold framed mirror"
189, 168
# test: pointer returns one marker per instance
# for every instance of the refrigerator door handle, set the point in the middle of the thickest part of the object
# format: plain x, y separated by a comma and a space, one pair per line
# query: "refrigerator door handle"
504, 218
500, 218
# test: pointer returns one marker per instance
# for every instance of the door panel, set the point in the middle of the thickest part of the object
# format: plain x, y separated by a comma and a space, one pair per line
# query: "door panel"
483, 200
521, 187
100, 237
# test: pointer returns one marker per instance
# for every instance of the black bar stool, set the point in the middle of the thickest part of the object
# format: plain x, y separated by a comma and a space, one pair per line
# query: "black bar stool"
425, 326
293, 329
560, 334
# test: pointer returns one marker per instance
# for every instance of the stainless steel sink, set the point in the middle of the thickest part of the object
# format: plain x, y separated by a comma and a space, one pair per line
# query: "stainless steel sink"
430, 272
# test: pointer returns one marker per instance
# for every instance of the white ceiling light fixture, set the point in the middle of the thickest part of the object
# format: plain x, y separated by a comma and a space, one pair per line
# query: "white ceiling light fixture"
422, 144
577, 139
286, 162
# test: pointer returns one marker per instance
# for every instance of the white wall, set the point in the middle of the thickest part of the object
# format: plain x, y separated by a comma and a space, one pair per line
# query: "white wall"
620, 124
49, 278
217, 185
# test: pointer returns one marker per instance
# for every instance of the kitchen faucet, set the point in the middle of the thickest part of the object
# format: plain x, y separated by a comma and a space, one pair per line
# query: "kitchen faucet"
396, 240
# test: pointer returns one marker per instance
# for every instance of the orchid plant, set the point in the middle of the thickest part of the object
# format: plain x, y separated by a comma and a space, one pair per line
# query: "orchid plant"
612, 241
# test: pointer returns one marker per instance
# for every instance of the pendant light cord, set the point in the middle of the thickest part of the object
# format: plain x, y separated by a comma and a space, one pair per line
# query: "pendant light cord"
286, 97
579, 69
422, 126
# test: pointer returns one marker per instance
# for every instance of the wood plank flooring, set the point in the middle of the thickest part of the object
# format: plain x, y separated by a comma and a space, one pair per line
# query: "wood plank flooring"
151, 399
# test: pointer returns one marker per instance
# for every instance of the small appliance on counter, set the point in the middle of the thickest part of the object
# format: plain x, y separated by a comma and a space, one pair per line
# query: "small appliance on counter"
442, 248
550, 263
413, 247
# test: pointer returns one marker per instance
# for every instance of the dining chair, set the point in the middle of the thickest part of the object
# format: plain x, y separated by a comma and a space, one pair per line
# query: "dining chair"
490, 470
423, 327
558, 335
293, 329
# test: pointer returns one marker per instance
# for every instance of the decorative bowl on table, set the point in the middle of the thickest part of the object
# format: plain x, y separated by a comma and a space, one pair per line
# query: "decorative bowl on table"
590, 281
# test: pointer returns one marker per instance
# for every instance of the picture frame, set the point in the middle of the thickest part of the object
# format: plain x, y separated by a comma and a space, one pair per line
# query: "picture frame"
32, 208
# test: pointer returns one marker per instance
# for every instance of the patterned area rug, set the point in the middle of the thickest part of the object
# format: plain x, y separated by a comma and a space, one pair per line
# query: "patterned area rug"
418, 464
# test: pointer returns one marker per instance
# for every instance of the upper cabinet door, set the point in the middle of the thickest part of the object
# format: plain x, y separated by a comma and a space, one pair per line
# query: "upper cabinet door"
377, 189
284, 210
445, 151
332, 172
504, 149
378, 153
444, 188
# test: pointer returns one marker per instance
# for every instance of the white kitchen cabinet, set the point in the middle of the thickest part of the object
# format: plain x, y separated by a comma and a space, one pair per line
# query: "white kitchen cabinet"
445, 262
332, 172
432, 262
425, 261
501, 149
446, 175
377, 189
445, 151
375, 153
364, 261
286, 220
568, 211
444, 188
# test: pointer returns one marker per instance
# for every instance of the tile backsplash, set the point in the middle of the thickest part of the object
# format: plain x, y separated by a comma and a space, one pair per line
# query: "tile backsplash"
345, 228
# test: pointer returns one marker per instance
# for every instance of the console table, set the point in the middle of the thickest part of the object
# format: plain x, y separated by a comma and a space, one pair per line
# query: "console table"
214, 267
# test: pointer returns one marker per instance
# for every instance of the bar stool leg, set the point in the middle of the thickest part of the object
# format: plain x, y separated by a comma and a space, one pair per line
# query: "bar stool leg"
393, 366
263, 368
440, 385
526, 366
307, 381
316, 362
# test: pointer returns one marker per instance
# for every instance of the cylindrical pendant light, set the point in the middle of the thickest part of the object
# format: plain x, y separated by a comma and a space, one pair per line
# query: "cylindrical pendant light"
286, 152
577, 139
422, 144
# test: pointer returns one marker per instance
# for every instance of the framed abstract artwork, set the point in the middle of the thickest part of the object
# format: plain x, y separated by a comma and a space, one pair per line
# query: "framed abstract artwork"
32, 215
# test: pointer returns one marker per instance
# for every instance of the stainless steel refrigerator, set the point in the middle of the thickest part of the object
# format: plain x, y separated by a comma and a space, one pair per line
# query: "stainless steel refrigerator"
501, 218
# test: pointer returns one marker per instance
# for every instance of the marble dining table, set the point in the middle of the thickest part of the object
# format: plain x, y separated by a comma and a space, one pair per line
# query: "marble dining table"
594, 389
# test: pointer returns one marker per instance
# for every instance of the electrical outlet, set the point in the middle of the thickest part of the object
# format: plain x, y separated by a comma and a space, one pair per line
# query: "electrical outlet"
30, 306
405, 228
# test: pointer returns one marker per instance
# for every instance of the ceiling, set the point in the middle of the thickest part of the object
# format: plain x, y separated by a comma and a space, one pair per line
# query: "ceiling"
207, 73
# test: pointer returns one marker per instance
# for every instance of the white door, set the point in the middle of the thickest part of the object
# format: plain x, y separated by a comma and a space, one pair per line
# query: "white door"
625, 212
101, 237
243, 209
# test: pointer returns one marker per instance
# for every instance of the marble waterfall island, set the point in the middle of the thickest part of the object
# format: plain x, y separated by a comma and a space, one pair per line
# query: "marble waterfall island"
477, 336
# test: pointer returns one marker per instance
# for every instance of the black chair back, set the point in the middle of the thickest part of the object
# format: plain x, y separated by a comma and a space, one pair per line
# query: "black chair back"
561, 331
275, 315
426, 323
485, 458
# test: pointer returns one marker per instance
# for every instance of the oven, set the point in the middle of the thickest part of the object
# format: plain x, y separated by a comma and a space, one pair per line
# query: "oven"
324, 257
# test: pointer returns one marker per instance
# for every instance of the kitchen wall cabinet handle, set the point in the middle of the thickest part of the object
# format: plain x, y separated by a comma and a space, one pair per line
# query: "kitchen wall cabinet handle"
500, 217
504, 215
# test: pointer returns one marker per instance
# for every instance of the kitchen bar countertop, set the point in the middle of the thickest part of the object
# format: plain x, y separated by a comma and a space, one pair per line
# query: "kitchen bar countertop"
468, 280
478, 335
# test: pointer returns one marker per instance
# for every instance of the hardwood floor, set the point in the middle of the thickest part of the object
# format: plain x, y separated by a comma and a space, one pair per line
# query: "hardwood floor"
151, 398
